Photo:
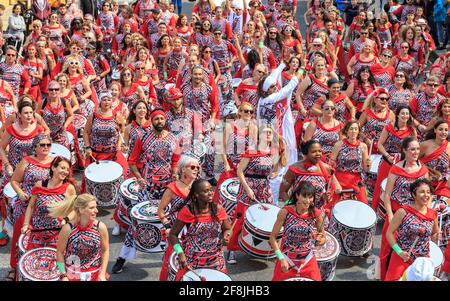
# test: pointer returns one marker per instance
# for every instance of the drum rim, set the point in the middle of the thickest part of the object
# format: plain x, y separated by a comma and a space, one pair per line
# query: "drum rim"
25, 272
154, 220
200, 270
335, 254
269, 254
434, 246
305, 279
88, 172
123, 187
247, 215
63, 150
224, 184
340, 203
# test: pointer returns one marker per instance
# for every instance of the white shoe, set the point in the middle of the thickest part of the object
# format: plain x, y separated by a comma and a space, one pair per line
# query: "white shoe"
116, 230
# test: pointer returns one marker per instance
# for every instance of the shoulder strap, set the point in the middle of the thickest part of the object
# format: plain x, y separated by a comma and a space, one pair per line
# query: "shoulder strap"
45, 183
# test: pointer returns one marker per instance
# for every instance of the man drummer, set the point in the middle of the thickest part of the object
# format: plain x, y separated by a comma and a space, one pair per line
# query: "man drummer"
184, 123
154, 158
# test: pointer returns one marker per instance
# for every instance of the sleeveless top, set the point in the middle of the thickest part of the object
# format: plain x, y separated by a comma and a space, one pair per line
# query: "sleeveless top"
349, 157
84, 244
104, 134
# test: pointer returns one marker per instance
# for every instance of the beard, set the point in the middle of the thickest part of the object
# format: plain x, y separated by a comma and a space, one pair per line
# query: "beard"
159, 127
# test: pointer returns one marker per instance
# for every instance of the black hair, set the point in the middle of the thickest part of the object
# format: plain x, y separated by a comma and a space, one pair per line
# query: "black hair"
193, 203
405, 144
365, 68
431, 135
305, 146
305, 189
159, 43
132, 115
419, 182
253, 59
410, 121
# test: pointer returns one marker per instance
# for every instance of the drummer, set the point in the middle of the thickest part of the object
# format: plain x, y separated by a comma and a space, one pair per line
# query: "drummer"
415, 225
138, 124
400, 176
350, 157
257, 165
303, 225
176, 196
102, 136
93, 254
208, 229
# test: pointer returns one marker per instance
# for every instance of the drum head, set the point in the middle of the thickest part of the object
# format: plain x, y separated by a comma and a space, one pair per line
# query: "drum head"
354, 214
298, 279
330, 250
130, 188
39, 265
436, 255
147, 211
376, 160
8, 191
59, 150
103, 172
229, 189
173, 262
209, 274
79, 121
262, 216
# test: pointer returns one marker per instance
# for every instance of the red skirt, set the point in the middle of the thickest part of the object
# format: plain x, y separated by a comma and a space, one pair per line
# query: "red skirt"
310, 270
396, 267
13, 258
165, 265
349, 180
223, 176
233, 245
446, 267
383, 172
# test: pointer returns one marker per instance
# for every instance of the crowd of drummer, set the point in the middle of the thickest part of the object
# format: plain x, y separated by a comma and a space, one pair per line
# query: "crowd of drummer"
142, 86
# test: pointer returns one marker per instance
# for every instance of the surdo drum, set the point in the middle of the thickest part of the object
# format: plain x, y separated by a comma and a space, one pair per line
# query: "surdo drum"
147, 227
327, 257
442, 205
128, 198
38, 265
353, 224
437, 257
9, 194
209, 274
103, 181
381, 211
298, 279
258, 224
173, 267
60, 150
371, 175
22, 244
228, 192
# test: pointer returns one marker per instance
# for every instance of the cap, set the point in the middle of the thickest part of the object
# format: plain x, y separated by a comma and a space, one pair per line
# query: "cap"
174, 93
317, 41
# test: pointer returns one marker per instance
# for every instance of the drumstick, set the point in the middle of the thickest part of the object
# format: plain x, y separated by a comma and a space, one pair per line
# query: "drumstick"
441, 208
371, 145
202, 278
95, 160
331, 178
262, 204
421, 232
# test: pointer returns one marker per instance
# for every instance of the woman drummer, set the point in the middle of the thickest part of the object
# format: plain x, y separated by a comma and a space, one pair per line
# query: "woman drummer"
28, 172
302, 224
44, 228
313, 170
400, 176
411, 229
83, 243
350, 157
208, 229
435, 154
256, 167
176, 196
138, 124
389, 146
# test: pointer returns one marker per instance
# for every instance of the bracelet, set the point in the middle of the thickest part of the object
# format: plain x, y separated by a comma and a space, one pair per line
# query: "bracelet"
67, 219
177, 248
279, 255
61, 267
397, 249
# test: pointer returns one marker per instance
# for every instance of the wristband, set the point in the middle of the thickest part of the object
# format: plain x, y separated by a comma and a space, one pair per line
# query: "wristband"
61, 267
165, 74
177, 248
279, 255
260, 45
397, 249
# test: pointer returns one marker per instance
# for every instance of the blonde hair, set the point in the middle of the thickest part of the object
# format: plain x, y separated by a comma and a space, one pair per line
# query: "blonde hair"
71, 203
72, 58
66, 77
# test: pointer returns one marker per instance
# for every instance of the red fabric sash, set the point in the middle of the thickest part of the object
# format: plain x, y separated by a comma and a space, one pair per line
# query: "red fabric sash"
12, 131
435, 154
334, 129
372, 114
396, 170
30, 159
429, 216
315, 80
399, 133
323, 172
305, 215
177, 191
48, 191
187, 217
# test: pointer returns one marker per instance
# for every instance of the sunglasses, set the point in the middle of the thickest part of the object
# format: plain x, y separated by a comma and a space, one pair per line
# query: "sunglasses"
329, 108
217, 33
404, 47
317, 45
45, 144
364, 33
383, 98
387, 55
399, 75
247, 111
272, 32
53, 89
207, 51
194, 167
10, 54
433, 85
140, 68
74, 63
126, 74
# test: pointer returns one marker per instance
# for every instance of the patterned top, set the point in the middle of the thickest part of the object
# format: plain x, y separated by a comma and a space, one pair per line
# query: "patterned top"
327, 137
349, 157
400, 193
201, 243
406, 65
374, 125
424, 107
20, 145
136, 132
55, 119
237, 143
439, 160
178, 201
248, 93
182, 125
199, 99
341, 113
318, 177
104, 134
13, 75
316, 90
360, 63
223, 52
393, 143
131, 96
85, 244
297, 241
398, 98
360, 94
415, 225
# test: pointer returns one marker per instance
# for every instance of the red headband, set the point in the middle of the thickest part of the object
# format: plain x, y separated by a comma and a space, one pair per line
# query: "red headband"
156, 113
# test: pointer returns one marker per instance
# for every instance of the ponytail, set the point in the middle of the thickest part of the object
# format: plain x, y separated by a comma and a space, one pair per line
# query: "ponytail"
71, 203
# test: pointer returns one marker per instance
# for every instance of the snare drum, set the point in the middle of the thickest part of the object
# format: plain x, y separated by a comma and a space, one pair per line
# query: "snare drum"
60, 150
38, 265
209, 274
445, 216
353, 224
228, 192
10, 194
22, 244
381, 211
147, 227
199, 150
437, 257
327, 257
79, 122
173, 267
103, 181
298, 279
258, 224
128, 198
